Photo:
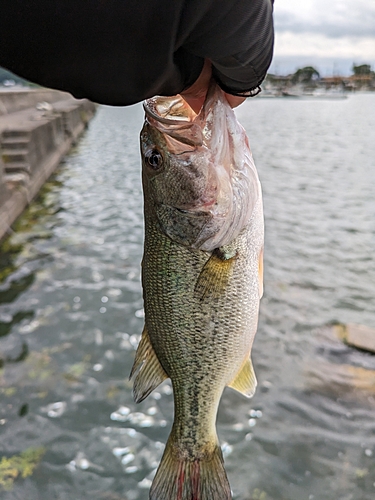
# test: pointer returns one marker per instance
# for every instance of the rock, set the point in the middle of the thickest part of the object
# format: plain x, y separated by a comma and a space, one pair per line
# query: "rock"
12, 349
359, 336
342, 365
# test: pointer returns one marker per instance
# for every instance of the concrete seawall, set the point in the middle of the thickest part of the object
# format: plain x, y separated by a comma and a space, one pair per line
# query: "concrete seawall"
37, 128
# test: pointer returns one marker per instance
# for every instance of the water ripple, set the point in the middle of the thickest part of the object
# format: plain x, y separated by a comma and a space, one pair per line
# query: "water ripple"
71, 295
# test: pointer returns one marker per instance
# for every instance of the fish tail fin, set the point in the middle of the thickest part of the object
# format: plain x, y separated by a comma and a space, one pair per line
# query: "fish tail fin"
181, 478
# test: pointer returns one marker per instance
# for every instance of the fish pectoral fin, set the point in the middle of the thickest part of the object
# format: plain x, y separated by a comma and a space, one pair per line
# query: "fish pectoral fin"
215, 275
147, 368
245, 381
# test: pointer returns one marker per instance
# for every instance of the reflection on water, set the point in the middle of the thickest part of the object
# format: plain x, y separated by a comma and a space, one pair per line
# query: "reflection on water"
71, 314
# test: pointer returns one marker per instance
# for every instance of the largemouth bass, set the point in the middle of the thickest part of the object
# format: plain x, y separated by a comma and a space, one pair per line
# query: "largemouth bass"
202, 281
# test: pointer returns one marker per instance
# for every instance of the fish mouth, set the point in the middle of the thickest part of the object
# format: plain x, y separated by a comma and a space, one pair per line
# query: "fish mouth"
202, 210
173, 117
169, 110
189, 213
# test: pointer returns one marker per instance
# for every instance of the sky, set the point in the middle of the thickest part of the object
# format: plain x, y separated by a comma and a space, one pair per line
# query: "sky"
330, 35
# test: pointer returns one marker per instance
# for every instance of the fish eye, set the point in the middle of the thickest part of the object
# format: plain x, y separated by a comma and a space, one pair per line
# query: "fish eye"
154, 159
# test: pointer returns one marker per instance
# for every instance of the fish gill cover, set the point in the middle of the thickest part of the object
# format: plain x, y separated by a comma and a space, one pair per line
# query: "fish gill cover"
216, 133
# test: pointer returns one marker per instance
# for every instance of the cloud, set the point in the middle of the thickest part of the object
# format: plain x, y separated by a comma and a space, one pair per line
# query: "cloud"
334, 32
331, 18
320, 45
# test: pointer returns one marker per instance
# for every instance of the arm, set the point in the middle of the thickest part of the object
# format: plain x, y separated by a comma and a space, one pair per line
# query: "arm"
122, 51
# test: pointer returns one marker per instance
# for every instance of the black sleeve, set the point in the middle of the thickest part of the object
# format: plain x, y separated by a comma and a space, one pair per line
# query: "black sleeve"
122, 51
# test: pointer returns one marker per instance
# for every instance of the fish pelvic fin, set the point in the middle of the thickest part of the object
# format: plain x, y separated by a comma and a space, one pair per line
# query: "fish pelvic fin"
245, 381
215, 274
187, 478
147, 369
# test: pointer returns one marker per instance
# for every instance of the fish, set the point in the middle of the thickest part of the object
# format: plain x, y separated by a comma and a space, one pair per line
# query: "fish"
202, 278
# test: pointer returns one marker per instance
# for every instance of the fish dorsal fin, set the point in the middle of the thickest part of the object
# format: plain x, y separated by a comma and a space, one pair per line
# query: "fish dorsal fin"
260, 273
215, 274
245, 381
147, 368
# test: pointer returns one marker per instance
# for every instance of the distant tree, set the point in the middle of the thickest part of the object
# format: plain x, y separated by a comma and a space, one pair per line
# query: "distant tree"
362, 69
306, 75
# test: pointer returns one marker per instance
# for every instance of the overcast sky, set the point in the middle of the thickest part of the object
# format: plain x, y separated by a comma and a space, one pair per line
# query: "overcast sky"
328, 34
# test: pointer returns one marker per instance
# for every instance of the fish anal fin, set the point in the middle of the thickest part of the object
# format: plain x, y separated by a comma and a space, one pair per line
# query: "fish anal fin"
245, 381
147, 369
260, 273
215, 275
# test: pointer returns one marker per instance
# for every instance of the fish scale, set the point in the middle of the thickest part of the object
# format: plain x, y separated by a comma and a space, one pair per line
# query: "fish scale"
201, 304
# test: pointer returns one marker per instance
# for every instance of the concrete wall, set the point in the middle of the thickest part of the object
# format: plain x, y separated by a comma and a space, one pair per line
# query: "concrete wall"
2, 182
37, 130
19, 99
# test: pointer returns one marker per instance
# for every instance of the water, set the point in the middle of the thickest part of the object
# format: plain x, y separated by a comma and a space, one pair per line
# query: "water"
71, 314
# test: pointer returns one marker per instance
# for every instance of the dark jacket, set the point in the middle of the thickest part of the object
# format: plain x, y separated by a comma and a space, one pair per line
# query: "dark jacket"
122, 51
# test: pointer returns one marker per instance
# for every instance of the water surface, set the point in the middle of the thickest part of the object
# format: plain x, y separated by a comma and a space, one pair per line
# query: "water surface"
71, 315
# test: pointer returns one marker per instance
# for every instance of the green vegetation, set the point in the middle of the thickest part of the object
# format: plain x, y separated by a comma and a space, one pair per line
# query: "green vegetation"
39, 366
259, 495
306, 75
308, 79
75, 371
16, 466
363, 69
27, 228
8, 391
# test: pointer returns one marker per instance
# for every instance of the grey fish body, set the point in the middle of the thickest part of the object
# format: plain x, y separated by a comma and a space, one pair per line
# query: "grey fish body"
201, 310
186, 337
201, 344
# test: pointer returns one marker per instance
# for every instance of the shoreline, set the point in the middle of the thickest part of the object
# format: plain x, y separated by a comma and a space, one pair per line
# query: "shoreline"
38, 127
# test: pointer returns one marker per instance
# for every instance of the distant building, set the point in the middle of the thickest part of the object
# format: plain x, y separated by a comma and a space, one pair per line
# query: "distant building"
285, 84
332, 81
360, 82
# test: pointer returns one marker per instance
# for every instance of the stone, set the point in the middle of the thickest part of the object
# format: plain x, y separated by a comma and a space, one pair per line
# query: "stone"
12, 349
360, 336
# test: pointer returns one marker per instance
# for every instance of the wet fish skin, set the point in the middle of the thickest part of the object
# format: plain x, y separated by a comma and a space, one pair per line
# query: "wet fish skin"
201, 310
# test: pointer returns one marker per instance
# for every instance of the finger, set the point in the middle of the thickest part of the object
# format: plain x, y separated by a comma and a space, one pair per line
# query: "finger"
196, 94
234, 100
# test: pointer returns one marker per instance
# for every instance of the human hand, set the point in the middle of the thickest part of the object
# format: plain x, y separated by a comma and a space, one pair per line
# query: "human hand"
196, 94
